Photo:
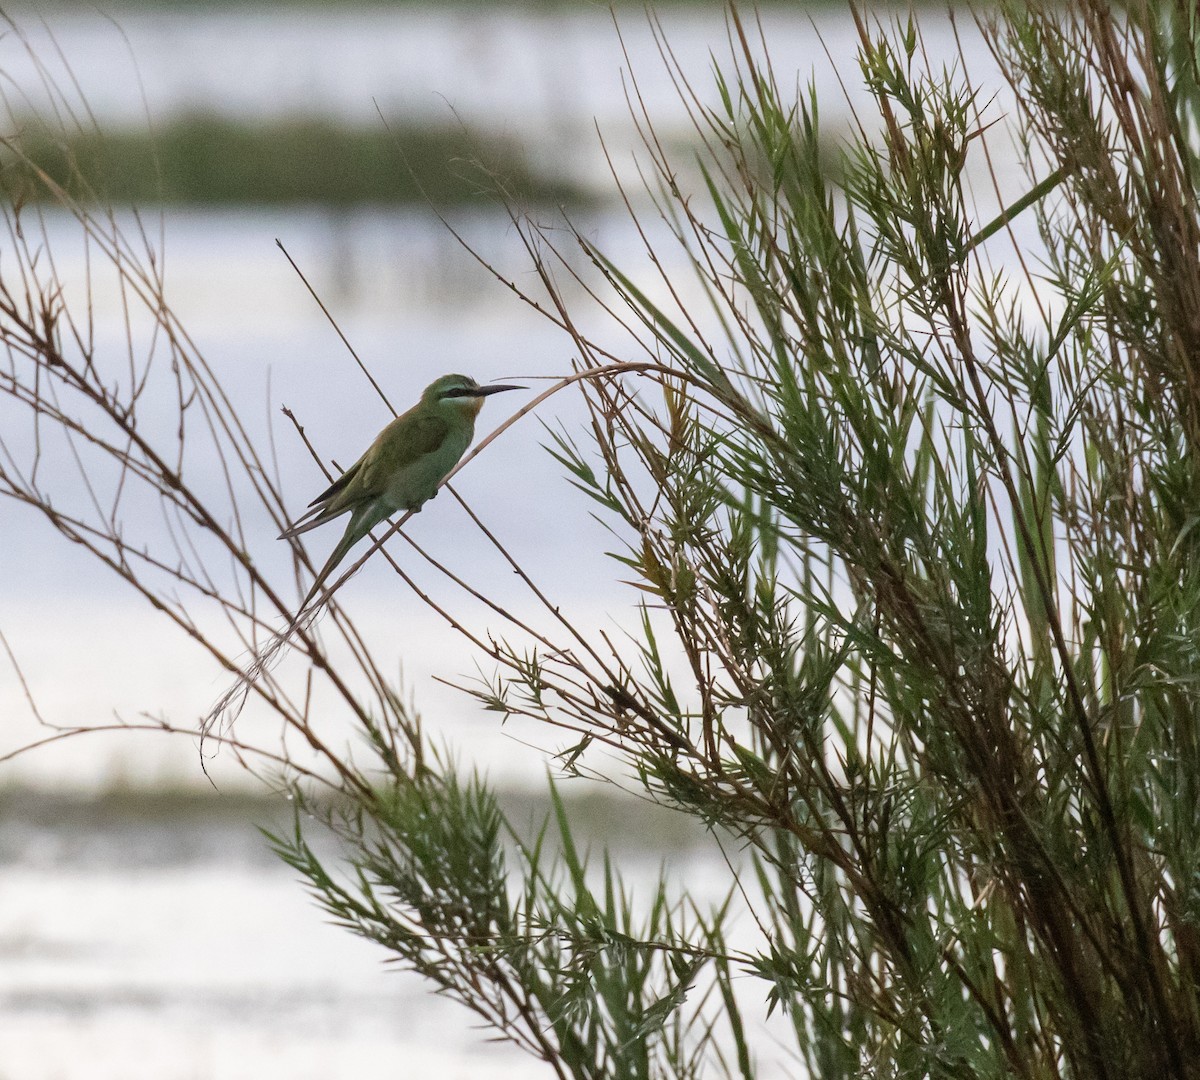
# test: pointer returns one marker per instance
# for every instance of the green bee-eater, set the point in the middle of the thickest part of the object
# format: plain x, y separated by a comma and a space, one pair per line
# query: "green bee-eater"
401, 469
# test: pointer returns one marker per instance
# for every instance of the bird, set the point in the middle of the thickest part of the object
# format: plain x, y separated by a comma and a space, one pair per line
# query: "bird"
402, 469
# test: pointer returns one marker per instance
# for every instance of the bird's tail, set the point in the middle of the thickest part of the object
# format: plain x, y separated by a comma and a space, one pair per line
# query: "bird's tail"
318, 515
348, 540
230, 704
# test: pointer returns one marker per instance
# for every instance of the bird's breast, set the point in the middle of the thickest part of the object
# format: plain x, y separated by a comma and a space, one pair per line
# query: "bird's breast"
418, 481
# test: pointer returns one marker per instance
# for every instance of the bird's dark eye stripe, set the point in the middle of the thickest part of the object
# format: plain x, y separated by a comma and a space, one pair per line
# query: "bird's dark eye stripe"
458, 391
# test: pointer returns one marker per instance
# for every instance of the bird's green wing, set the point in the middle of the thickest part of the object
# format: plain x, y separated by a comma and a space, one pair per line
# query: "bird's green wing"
339, 483
404, 441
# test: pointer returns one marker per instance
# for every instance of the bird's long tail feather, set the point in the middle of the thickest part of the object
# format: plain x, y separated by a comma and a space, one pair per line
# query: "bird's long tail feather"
230, 704
319, 515
349, 538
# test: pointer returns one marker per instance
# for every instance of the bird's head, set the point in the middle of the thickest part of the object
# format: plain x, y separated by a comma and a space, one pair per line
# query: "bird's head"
461, 393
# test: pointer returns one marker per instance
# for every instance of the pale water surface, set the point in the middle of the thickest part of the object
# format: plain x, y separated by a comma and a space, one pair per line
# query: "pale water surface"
179, 948
547, 77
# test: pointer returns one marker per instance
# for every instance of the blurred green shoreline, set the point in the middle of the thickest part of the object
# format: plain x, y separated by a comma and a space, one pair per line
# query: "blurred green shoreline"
116, 7
206, 159
596, 815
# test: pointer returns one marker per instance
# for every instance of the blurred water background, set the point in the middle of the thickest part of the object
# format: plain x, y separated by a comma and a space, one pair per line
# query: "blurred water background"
145, 929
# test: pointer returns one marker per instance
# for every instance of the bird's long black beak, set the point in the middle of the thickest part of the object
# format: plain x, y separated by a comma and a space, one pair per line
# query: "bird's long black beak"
484, 391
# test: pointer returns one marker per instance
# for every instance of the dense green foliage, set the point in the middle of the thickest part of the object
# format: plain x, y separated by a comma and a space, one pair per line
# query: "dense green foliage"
919, 534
